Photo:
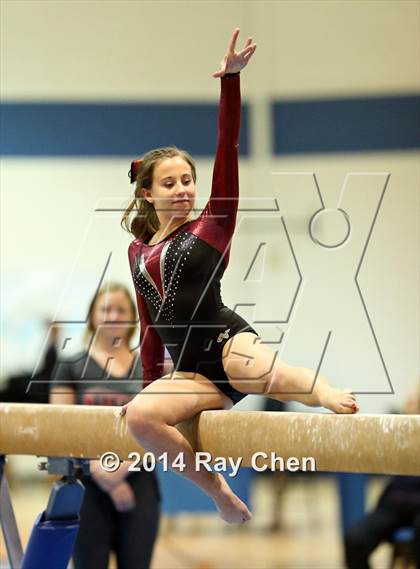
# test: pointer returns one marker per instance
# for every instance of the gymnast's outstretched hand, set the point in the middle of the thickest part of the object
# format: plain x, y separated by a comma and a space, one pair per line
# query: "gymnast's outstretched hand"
235, 61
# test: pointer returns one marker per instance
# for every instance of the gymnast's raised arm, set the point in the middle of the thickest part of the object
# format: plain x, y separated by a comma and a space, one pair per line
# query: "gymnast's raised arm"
224, 192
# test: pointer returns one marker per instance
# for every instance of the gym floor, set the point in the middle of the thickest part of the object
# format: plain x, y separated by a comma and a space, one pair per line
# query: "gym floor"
301, 531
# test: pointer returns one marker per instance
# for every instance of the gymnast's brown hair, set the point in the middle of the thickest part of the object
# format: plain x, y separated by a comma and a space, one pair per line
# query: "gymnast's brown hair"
146, 222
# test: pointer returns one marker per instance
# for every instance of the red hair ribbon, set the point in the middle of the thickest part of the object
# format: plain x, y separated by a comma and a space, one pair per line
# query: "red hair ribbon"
134, 169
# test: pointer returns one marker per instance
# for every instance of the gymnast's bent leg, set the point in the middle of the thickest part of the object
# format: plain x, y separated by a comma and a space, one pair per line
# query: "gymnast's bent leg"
253, 367
152, 416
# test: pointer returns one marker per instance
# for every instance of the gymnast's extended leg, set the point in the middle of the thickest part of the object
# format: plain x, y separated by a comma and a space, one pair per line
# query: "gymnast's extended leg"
253, 367
152, 416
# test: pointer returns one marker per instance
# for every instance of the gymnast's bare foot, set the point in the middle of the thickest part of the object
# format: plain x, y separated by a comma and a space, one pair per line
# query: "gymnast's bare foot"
230, 507
339, 400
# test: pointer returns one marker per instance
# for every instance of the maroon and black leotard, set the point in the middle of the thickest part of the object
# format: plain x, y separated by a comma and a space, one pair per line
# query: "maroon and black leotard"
177, 281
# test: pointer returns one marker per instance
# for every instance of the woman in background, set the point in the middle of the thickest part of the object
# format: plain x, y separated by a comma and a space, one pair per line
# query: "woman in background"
121, 509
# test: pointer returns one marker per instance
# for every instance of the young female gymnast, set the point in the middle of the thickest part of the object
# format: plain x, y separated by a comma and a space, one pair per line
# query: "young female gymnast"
177, 263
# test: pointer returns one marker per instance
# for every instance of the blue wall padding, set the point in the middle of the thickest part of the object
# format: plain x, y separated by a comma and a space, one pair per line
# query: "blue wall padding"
181, 495
352, 495
347, 124
112, 129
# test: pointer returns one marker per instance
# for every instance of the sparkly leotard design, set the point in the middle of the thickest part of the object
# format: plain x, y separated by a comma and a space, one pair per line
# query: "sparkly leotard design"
177, 280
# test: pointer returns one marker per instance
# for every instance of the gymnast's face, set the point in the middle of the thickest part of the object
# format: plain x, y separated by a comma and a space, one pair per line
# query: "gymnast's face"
173, 189
111, 313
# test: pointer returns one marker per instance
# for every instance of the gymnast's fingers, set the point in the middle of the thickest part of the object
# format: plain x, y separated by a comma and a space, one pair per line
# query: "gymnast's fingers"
232, 44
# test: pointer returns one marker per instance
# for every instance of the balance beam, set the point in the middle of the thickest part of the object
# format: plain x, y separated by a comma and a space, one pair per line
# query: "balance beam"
386, 444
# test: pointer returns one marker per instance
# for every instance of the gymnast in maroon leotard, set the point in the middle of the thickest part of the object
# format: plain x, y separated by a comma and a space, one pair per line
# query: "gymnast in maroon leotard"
177, 280
177, 263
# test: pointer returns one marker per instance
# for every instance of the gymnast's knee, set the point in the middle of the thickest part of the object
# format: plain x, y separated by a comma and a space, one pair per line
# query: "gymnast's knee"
142, 418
